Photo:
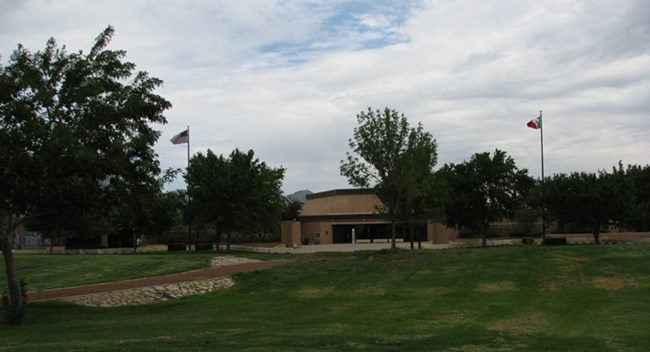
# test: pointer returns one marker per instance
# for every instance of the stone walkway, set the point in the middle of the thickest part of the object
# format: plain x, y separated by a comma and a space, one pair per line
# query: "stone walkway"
150, 294
159, 288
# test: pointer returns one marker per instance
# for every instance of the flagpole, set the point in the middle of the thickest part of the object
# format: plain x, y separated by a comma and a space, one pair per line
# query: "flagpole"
541, 140
189, 221
188, 146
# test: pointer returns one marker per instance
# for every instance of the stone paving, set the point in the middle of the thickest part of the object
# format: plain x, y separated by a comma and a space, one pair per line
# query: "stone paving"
228, 260
150, 294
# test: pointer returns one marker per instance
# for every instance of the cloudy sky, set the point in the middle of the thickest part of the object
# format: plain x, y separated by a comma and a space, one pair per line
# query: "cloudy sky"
287, 78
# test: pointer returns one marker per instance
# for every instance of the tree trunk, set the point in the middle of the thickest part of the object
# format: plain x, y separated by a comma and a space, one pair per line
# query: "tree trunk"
485, 227
228, 242
16, 299
596, 233
411, 234
218, 234
189, 235
392, 211
135, 243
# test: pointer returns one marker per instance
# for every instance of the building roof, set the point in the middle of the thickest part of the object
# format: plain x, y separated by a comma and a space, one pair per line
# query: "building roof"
341, 202
340, 192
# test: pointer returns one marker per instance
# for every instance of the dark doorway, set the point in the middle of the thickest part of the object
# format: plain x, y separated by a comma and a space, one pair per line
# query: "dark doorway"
375, 232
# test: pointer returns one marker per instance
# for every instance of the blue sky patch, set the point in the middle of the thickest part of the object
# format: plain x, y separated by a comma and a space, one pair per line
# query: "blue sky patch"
351, 25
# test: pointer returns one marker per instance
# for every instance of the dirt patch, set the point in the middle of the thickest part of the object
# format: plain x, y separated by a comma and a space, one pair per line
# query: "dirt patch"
580, 259
452, 318
429, 291
314, 292
527, 323
615, 283
452, 271
499, 286
327, 291
149, 339
550, 287
323, 258
482, 348
370, 291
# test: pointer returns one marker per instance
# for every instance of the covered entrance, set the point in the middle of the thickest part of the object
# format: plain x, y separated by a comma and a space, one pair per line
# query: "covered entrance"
374, 232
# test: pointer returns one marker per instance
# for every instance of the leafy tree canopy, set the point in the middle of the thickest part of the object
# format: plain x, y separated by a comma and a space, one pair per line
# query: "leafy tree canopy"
638, 215
588, 199
292, 209
485, 189
236, 194
392, 157
75, 136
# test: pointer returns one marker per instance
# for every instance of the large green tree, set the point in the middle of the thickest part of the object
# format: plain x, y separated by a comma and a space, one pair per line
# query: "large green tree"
425, 203
638, 215
485, 189
393, 158
208, 178
592, 200
75, 139
236, 194
292, 209
142, 209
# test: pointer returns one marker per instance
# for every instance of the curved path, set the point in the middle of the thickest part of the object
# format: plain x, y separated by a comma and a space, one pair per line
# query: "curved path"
152, 281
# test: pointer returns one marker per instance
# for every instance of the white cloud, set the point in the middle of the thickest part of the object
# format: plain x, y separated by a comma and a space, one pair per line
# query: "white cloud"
287, 78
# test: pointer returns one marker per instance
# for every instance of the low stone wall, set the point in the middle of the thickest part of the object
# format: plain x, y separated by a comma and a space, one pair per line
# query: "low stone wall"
150, 294
606, 237
63, 250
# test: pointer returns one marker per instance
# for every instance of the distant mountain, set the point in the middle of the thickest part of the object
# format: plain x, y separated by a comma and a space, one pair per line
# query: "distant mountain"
300, 196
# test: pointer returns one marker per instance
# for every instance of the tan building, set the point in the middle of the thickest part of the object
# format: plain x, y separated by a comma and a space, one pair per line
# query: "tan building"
330, 217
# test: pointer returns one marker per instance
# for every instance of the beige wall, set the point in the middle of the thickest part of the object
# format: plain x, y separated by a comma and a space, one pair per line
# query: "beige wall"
290, 233
322, 228
439, 234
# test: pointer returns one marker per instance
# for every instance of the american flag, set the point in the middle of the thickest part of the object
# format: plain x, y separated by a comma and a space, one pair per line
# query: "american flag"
183, 137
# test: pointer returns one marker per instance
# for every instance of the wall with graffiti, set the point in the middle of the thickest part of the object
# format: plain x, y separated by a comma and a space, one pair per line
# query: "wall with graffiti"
28, 239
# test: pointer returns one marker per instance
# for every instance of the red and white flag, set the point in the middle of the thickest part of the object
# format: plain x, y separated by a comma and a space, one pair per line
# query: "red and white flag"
535, 123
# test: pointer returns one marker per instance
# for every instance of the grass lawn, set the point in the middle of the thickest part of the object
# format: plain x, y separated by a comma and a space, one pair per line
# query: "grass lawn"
522, 298
43, 271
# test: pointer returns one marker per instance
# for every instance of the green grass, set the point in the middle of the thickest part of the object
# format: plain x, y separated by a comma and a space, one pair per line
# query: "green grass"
524, 298
43, 271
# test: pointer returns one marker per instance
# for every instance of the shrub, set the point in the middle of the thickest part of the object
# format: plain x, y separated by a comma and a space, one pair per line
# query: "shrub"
554, 241
471, 235
528, 240
176, 247
203, 247
519, 234
611, 241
